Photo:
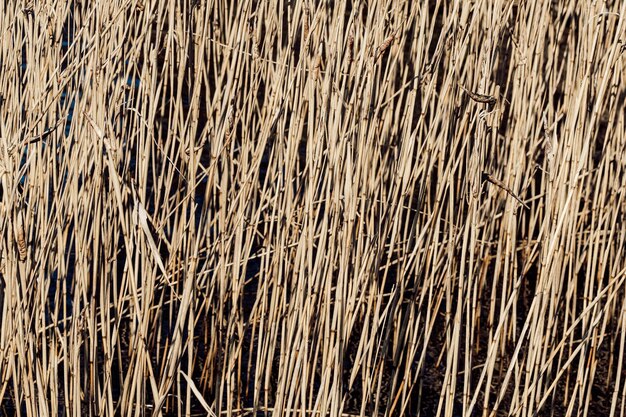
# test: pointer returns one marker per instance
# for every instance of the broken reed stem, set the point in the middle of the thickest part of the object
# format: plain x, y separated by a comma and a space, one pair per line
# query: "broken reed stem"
500, 184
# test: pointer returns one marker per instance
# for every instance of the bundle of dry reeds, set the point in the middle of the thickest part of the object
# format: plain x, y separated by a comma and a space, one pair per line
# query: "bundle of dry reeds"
314, 207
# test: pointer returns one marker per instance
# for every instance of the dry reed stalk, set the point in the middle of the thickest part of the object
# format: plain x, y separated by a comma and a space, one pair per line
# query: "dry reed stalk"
479, 98
384, 46
500, 184
20, 236
351, 44
305, 25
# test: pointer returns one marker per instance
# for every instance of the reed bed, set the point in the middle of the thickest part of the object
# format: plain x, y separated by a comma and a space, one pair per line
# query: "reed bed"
372, 208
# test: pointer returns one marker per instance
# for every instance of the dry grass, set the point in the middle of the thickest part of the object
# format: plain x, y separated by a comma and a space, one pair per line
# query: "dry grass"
313, 208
